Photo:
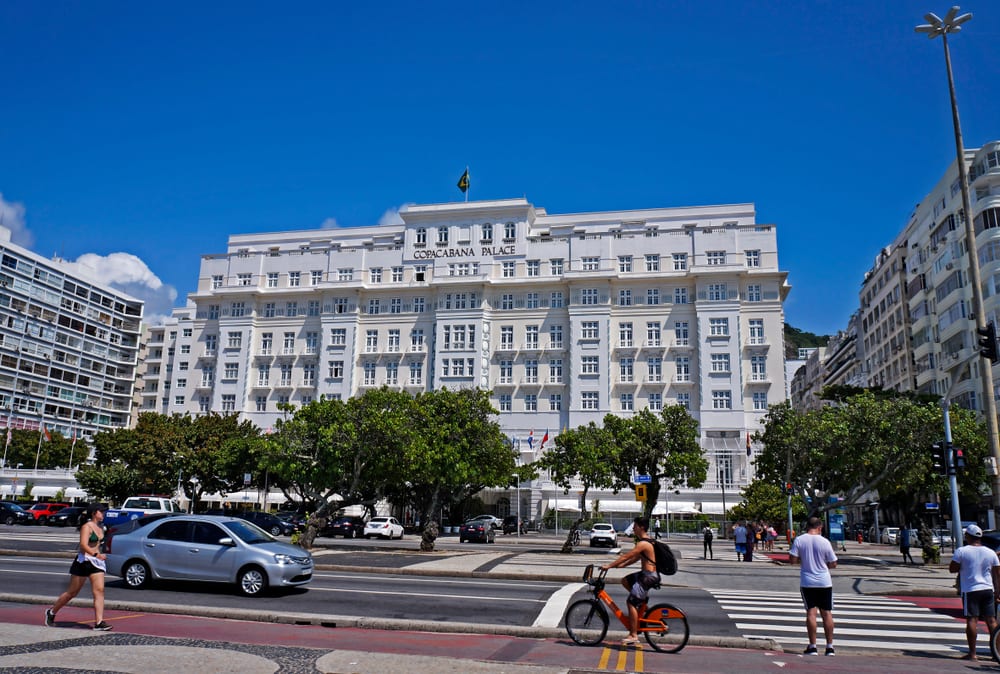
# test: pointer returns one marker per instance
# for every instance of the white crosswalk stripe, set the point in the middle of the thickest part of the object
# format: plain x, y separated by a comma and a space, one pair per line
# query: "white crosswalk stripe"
871, 623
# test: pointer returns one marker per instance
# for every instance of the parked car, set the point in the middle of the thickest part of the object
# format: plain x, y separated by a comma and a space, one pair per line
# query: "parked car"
67, 517
991, 539
477, 530
494, 521
512, 523
348, 527
41, 512
944, 536
295, 519
603, 534
272, 524
890, 536
384, 527
208, 549
12, 513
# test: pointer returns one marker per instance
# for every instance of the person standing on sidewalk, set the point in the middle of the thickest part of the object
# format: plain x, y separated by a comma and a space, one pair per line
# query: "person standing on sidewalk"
817, 557
740, 540
706, 536
88, 563
904, 544
978, 570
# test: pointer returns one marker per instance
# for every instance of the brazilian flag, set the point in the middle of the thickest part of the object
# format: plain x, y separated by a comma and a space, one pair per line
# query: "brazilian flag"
463, 182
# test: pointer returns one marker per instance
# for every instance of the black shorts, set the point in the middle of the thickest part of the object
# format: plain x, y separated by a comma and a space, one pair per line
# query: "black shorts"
84, 569
979, 604
640, 583
817, 597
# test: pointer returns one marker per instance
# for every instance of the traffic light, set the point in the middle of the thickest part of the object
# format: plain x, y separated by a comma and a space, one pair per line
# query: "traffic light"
938, 463
958, 458
988, 342
789, 489
640, 492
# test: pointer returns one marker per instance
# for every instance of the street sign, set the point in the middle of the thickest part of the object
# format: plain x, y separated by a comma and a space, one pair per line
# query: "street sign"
932, 506
246, 479
643, 479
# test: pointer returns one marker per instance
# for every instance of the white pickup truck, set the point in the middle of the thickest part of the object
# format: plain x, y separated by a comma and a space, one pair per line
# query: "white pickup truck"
137, 506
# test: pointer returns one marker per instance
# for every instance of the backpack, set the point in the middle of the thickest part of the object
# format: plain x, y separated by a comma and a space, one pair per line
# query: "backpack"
666, 563
708, 534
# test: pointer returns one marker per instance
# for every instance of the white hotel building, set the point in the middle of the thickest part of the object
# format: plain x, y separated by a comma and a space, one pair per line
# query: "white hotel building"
565, 318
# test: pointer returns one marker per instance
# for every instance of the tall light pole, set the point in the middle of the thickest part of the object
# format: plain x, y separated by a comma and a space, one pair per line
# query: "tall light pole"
935, 26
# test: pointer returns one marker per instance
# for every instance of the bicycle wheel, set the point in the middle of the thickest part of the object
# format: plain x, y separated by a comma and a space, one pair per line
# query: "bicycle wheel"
665, 628
995, 644
586, 622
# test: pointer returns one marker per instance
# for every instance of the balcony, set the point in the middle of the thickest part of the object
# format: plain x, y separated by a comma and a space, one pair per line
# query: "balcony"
682, 379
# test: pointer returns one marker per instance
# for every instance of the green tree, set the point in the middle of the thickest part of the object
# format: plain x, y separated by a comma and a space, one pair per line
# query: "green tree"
113, 483
766, 501
205, 463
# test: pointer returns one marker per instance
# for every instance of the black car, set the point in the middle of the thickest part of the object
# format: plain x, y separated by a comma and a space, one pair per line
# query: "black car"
510, 525
348, 527
12, 513
266, 521
67, 517
477, 530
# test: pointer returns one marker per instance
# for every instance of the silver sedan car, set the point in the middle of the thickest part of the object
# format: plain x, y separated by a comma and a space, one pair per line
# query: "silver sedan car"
206, 548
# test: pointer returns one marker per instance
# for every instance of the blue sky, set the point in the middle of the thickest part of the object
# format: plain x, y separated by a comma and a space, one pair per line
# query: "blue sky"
137, 137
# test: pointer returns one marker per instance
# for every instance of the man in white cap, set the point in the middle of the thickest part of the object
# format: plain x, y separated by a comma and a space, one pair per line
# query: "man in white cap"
978, 570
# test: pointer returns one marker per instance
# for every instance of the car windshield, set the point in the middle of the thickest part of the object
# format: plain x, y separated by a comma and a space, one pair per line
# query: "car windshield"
248, 532
378, 520
14, 506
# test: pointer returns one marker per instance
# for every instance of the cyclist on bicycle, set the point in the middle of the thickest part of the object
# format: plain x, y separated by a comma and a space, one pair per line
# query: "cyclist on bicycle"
639, 583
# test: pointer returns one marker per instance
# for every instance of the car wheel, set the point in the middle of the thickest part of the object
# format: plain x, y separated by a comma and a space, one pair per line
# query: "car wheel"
43, 520
9, 520
461, 540
252, 581
400, 535
276, 530
136, 574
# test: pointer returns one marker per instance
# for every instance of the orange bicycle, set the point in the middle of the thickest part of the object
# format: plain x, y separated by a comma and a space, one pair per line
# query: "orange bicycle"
665, 626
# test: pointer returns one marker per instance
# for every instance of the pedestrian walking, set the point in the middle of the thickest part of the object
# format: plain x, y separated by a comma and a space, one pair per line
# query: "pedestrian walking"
656, 528
978, 570
752, 535
904, 544
740, 540
706, 536
88, 563
816, 557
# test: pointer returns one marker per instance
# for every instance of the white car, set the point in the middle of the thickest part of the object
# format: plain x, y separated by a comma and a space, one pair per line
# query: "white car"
383, 527
890, 536
494, 521
603, 534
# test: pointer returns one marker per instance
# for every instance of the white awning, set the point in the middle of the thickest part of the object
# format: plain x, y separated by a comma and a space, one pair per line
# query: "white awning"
564, 504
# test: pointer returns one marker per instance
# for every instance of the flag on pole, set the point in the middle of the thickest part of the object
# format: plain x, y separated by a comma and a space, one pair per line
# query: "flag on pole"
545, 438
45, 432
463, 182
531, 439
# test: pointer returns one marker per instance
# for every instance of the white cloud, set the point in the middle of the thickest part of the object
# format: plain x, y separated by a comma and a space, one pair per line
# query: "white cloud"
391, 217
329, 223
12, 217
126, 272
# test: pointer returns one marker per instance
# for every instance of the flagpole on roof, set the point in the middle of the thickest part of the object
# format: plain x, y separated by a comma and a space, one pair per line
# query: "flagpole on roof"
469, 183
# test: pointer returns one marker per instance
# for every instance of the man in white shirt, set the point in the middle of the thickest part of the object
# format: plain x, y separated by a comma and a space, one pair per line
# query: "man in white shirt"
978, 571
816, 556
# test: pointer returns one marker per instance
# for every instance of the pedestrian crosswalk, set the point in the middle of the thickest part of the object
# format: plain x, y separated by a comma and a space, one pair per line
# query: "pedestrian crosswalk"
863, 622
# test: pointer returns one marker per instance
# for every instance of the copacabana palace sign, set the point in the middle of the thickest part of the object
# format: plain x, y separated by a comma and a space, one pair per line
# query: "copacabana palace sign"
486, 251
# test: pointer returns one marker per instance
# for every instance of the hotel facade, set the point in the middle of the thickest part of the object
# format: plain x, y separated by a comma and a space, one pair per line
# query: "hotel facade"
565, 318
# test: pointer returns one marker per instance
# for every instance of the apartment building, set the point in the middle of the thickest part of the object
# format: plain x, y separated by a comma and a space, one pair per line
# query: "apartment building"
564, 317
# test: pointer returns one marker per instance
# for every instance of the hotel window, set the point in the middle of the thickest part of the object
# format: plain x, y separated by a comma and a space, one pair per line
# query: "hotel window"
336, 369
680, 261
506, 372
237, 309
555, 336
588, 330
760, 401
625, 298
507, 269
338, 336
213, 312
207, 377
306, 400
244, 279
718, 327
487, 232
231, 371
371, 341
680, 295
533, 267
294, 279
395, 306
272, 279
758, 368
261, 403
756, 330
627, 402
753, 258
590, 400
590, 365
681, 336
374, 307
684, 400
507, 337
531, 337
309, 374
652, 334
421, 236
416, 340
185, 348
505, 404
216, 282
211, 344
626, 370
683, 365
419, 305
182, 383
555, 371
228, 402
416, 374
375, 275
717, 292
420, 273
654, 370
655, 402
458, 367
652, 296
556, 266
591, 263
442, 234
722, 400
530, 402
531, 301
556, 300
753, 293
291, 308
720, 362
288, 344
315, 277
392, 374
345, 274
313, 309
588, 296
652, 263
283, 400
266, 343
624, 264
340, 305
235, 340
397, 274
531, 372
393, 340
555, 402
506, 302
204, 404
369, 374
715, 257
625, 335
312, 342
509, 231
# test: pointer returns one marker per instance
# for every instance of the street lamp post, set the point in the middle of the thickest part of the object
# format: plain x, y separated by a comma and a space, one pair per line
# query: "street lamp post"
935, 26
